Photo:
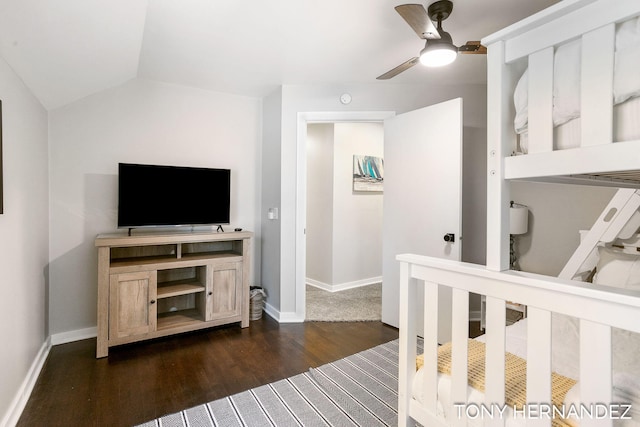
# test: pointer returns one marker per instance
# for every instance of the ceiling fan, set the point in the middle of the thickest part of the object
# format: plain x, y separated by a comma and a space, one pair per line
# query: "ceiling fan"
439, 48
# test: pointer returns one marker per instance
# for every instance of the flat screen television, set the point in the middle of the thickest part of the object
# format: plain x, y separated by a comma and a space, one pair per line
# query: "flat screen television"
156, 196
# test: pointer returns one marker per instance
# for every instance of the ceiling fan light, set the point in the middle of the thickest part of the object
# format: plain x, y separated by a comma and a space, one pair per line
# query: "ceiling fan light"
438, 54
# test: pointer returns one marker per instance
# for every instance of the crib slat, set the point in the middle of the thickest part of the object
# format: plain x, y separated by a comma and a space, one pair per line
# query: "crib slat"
539, 360
541, 101
430, 377
495, 357
407, 342
595, 368
459, 350
597, 86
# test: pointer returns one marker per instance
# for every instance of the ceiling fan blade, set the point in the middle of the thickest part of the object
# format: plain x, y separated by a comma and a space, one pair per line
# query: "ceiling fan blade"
418, 19
473, 47
400, 68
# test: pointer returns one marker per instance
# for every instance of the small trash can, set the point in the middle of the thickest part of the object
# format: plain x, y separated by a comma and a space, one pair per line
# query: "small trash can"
256, 302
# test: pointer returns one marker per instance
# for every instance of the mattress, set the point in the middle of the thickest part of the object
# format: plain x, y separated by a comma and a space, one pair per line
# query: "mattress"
626, 127
565, 344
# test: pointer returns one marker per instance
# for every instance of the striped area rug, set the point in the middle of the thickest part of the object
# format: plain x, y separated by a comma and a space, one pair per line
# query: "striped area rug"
359, 390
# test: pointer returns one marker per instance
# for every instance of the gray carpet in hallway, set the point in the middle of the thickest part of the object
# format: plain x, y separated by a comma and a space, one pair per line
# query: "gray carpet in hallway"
351, 305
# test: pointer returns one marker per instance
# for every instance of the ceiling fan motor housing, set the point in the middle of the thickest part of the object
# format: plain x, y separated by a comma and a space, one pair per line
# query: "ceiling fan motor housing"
440, 10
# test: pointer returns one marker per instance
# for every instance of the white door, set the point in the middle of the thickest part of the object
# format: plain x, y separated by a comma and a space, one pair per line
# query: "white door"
422, 197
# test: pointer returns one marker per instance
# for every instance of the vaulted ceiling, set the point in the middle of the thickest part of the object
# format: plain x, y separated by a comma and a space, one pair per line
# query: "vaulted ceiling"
65, 50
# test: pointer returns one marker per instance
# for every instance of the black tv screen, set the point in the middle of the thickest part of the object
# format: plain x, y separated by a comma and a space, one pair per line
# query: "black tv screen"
154, 195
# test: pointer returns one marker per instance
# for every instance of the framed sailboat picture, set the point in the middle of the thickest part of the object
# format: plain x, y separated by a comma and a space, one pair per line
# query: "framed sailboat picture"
368, 173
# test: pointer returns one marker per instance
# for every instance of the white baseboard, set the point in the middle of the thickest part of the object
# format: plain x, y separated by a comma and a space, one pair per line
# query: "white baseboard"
272, 312
280, 317
24, 392
21, 398
318, 284
344, 286
71, 336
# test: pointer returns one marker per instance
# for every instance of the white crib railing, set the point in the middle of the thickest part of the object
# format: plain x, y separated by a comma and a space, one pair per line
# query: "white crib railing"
598, 308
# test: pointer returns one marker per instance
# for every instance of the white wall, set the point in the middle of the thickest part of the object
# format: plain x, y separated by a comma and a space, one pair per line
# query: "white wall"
24, 250
474, 195
320, 175
371, 97
270, 228
357, 216
556, 213
474, 202
138, 122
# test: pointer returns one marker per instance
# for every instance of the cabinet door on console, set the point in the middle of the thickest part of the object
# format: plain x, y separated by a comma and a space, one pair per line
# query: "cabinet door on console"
132, 304
225, 296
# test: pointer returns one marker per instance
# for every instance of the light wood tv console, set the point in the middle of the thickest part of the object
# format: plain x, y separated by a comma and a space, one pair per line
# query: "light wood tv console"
153, 285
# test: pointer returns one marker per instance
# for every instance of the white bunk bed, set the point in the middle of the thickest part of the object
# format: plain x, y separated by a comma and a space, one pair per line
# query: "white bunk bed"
587, 317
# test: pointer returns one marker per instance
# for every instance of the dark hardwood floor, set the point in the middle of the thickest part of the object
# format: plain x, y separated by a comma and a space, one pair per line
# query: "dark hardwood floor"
143, 381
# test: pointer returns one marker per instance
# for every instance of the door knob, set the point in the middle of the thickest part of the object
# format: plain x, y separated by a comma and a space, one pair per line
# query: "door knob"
449, 237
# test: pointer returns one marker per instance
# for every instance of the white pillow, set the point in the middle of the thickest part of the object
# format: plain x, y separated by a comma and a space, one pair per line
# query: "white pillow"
566, 92
521, 103
626, 78
566, 82
626, 83
628, 34
618, 269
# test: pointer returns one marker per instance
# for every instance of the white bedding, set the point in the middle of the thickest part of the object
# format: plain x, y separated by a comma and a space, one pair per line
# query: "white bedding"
566, 87
565, 344
626, 127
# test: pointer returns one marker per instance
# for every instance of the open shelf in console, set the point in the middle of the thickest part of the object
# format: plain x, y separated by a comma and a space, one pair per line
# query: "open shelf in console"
135, 256
210, 249
178, 288
130, 254
179, 319
174, 282
181, 295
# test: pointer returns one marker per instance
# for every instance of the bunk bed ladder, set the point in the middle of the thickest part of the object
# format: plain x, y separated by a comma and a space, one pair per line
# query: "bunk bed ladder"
620, 219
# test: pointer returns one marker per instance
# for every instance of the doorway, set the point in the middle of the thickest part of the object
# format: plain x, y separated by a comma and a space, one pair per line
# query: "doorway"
345, 172
301, 196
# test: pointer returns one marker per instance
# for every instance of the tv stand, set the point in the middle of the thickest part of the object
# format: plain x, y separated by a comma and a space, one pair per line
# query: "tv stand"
154, 285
